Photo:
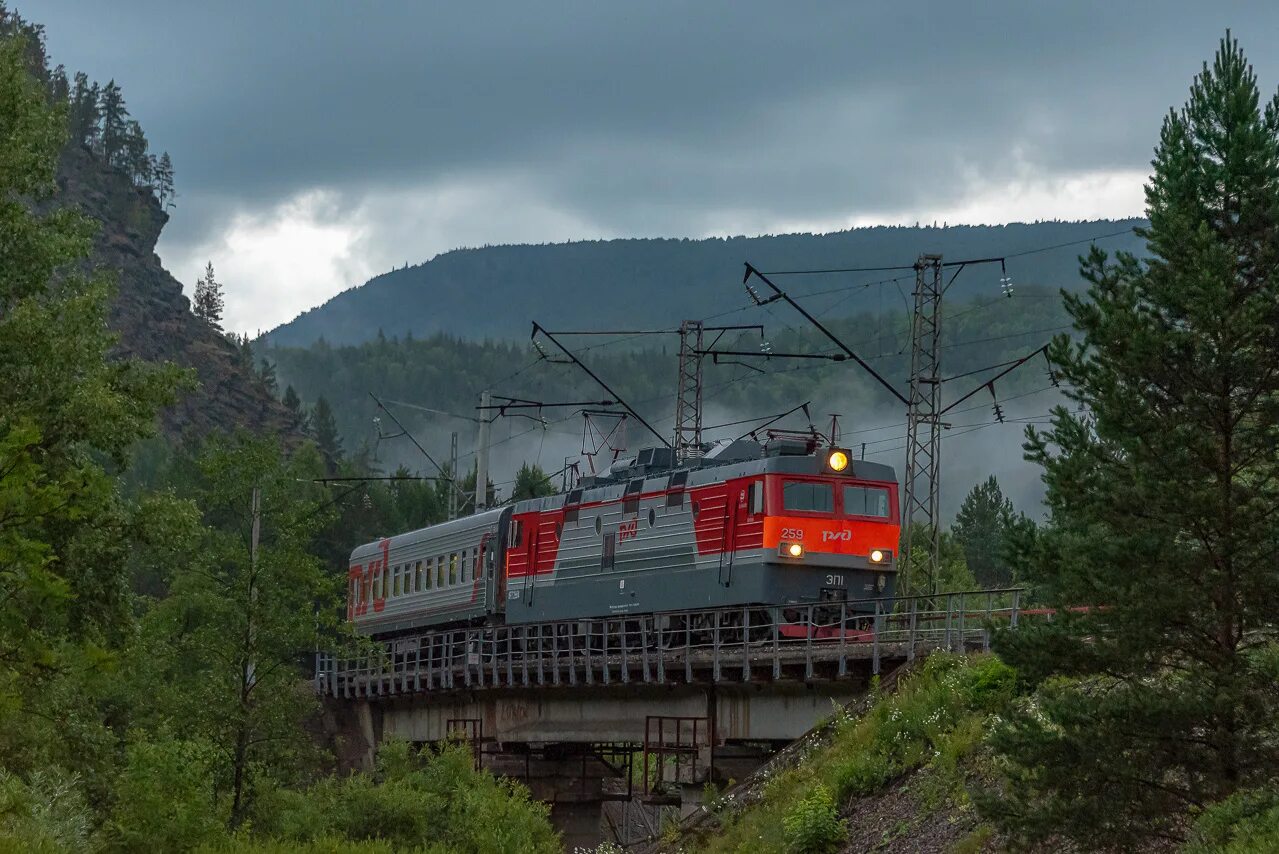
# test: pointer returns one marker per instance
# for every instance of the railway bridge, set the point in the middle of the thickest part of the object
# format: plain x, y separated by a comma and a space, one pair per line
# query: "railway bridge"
616, 720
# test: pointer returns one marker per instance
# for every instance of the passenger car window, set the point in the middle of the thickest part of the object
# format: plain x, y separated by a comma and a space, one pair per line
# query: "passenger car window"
807, 497
866, 501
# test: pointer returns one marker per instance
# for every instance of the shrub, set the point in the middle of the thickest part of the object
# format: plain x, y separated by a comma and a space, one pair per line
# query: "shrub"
862, 774
813, 825
164, 800
1244, 823
47, 815
427, 799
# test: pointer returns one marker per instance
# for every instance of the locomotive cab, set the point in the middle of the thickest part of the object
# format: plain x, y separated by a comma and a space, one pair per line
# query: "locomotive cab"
837, 528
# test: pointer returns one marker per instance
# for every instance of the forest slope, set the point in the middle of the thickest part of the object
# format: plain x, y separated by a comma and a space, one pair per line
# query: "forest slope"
445, 374
495, 291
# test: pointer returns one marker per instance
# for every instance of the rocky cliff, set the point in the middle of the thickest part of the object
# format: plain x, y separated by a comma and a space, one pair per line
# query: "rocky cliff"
151, 315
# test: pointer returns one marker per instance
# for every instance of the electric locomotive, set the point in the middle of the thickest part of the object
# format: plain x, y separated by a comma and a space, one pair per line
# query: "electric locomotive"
783, 522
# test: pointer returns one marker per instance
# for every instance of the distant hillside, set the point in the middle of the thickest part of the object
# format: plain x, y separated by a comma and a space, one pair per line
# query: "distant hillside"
445, 374
494, 292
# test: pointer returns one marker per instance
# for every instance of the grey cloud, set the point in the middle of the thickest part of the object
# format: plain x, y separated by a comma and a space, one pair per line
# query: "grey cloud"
265, 99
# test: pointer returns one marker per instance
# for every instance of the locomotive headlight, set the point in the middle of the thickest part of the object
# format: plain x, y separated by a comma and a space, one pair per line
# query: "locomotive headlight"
877, 556
791, 550
837, 460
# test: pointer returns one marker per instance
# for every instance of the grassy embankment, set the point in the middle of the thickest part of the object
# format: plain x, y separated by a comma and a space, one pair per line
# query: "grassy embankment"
895, 776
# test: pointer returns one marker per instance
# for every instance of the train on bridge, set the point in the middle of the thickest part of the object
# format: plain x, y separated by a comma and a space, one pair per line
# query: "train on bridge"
787, 521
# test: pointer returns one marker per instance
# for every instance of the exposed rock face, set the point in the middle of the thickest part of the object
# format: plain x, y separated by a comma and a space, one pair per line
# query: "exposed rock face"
151, 315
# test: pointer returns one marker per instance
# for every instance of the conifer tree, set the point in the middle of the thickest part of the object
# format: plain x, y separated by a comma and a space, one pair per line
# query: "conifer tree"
531, 482
115, 118
84, 112
324, 428
207, 303
163, 177
1163, 696
59, 88
293, 403
266, 373
133, 157
982, 526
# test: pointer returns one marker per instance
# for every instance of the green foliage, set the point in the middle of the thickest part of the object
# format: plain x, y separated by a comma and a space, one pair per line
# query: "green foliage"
1162, 492
935, 719
981, 528
48, 815
244, 844
813, 825
162, 798
219, 656
433, 801
532, 482
327, 439
207, 301
953, 572
67, 537
97, 116
1245, 823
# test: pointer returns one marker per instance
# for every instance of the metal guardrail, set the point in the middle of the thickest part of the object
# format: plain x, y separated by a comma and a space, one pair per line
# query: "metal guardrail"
705, 645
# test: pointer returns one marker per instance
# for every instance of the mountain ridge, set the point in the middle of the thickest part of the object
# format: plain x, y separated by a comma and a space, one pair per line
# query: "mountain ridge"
594, 283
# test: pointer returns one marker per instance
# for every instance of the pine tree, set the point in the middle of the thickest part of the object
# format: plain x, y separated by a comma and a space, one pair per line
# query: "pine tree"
163, 173
982, 526
114, 122
531, 482
59, 88
1162, 697
266, 373
84, 112
324, 428
134, 155
207, 303
297, 415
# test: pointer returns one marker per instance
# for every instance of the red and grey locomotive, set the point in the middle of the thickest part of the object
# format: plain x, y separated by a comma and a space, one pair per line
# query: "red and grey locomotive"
778, 523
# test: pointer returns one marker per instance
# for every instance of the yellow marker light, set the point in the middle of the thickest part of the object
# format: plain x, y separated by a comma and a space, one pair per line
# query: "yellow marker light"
795, 550
876, 556
837, 461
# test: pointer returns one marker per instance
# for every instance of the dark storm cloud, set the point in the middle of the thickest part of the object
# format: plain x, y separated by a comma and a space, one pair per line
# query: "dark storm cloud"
264, 98
645, 118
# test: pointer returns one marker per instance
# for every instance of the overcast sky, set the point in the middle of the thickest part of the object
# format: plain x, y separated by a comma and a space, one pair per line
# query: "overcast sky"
319, 143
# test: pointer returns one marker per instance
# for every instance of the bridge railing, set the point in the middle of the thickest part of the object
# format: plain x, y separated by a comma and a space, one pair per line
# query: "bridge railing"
731, 644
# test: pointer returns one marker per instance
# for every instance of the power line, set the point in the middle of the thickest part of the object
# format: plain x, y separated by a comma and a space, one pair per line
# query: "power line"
1005, 337
962, 263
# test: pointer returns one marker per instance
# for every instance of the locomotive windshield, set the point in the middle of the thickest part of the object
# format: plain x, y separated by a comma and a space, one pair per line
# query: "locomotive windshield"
866, 501
808, 497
